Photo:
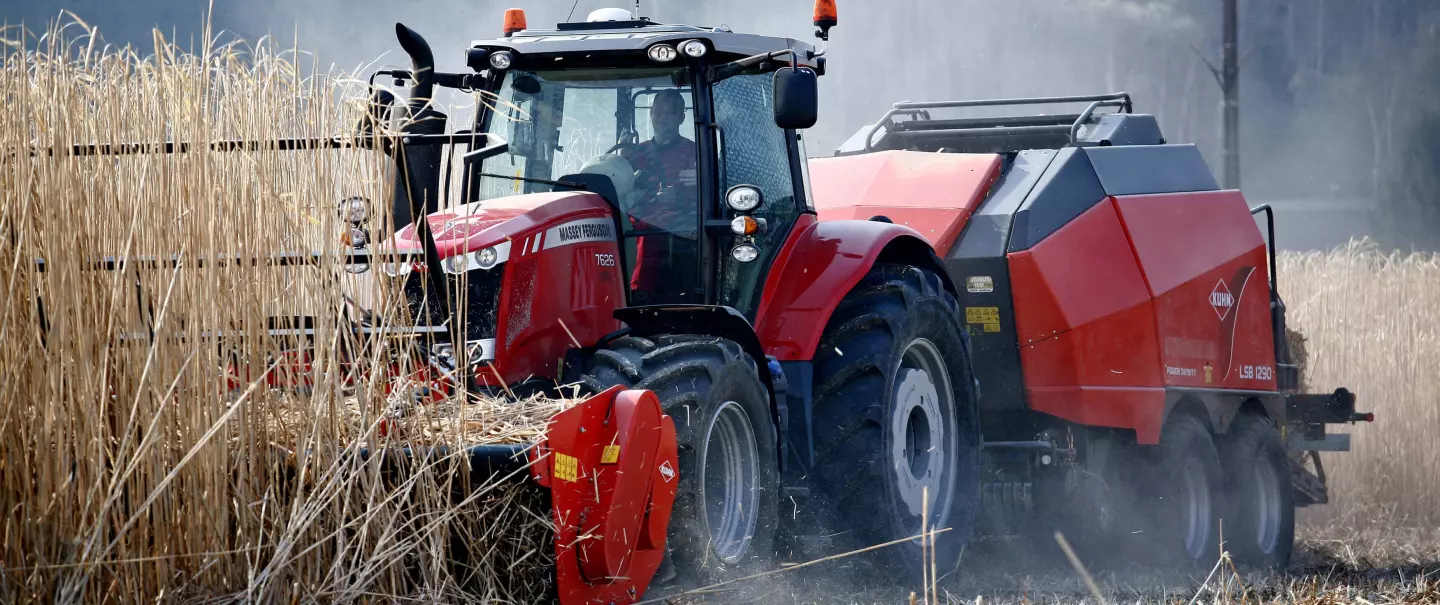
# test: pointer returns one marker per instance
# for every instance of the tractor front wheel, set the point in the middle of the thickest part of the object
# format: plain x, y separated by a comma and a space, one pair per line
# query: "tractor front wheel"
897, 437
726, 510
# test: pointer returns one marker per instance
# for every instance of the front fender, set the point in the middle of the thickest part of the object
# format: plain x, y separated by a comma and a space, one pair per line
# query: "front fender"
817, 267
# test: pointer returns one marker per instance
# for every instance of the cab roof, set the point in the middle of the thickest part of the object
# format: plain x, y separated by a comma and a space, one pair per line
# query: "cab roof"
638, 35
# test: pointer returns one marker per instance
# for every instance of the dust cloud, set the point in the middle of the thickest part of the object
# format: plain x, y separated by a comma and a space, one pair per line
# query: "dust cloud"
1312, 156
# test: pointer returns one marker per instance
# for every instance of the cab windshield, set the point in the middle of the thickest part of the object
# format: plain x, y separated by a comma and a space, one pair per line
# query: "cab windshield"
635, 126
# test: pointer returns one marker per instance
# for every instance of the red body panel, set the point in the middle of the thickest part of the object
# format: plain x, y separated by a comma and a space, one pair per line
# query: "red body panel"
555, 298
1192, 246
934, 193
1117, 305
612, 470
560, 291
475, 226
818, 264
1087, 327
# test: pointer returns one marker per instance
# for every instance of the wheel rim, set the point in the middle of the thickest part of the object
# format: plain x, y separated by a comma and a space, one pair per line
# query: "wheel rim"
1196, 500
1267, 502
729, 480
923, 437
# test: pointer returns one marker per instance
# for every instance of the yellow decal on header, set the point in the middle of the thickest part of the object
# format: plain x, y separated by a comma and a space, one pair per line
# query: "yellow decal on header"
566, 467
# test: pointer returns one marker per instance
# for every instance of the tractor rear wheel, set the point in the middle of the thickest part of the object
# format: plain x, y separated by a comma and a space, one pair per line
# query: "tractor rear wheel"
897, 437
726, 510
1261, 528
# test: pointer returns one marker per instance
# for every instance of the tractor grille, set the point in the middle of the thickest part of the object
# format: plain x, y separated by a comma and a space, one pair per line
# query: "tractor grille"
481, 297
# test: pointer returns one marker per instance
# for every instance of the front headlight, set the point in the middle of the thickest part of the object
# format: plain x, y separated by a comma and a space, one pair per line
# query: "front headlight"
354, 210
743, 198
487, 258
484, 259
397, 269
745, 253
693, 48
501, 60
457, 264
662, 53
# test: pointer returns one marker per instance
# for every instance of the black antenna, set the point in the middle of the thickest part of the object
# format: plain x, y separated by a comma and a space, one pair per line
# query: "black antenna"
572, 10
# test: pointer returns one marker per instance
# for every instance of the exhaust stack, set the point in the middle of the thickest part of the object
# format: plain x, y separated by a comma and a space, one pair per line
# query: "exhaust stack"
418, 163
417, 174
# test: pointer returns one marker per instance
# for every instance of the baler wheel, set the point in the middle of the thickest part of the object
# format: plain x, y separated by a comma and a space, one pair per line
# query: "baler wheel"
1260, 527
726, 510
896, 419
1186, 493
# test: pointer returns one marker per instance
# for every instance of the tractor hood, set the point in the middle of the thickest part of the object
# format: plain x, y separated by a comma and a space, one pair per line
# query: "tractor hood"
496, 222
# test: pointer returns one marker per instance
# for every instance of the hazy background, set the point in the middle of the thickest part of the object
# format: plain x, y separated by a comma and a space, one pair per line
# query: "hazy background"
1339, 111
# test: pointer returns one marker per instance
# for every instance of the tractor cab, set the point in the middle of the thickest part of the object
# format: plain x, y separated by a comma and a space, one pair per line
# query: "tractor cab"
691, 134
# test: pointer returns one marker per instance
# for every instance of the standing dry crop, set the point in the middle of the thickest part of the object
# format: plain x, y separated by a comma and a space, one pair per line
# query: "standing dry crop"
130, 469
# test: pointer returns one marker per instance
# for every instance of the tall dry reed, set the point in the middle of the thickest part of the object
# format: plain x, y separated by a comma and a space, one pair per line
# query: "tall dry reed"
128, 472
1372, 325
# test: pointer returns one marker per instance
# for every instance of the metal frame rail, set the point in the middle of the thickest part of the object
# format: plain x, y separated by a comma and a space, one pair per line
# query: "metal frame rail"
923, 126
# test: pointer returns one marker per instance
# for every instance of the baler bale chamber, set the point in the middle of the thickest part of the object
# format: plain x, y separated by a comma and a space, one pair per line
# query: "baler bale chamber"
1125, 312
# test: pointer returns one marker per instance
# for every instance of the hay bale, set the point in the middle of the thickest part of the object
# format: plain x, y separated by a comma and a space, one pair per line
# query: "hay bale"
1295, 343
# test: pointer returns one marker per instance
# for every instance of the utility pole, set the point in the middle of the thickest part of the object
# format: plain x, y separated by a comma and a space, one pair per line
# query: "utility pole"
1230, 84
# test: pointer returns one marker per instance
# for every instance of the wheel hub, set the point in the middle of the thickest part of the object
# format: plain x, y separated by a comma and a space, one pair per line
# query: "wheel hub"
922, 434
728, 482
1196, 507
1267, 501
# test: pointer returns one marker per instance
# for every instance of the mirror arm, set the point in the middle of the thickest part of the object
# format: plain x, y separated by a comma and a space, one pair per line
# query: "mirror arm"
488, 151
824, 45
733, 68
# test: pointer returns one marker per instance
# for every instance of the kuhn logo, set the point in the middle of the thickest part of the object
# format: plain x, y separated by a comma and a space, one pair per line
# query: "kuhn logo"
667, 472
1222, 300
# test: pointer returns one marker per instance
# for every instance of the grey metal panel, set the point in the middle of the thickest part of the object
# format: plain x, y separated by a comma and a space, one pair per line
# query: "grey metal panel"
1332, 442
855, 145
633, 39
1147, 169
1121, 129
1067, 189
988, 230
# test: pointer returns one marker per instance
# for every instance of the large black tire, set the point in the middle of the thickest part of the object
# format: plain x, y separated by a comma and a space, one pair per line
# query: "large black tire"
895, 412
1185, 494
1260, 526
729, 481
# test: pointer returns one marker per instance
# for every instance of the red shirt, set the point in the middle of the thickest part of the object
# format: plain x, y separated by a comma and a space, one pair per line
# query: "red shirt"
660, 167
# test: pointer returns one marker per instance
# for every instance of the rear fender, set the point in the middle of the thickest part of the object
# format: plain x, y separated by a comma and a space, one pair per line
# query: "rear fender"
818, 266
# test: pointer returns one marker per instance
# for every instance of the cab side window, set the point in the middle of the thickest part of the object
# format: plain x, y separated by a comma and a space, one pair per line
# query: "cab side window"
753, 152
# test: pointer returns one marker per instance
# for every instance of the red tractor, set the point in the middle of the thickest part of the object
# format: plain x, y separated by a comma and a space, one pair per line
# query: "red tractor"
1054, 321
1026, 321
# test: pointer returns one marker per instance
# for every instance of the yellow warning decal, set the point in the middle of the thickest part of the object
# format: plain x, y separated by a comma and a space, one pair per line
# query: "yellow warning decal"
611, 455
988, 317
566, 467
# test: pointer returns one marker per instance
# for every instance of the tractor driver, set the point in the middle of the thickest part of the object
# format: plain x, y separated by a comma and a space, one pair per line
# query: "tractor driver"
666, 192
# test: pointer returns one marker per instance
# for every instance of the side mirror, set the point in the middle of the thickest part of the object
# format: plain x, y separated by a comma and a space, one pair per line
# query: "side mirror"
797, 97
